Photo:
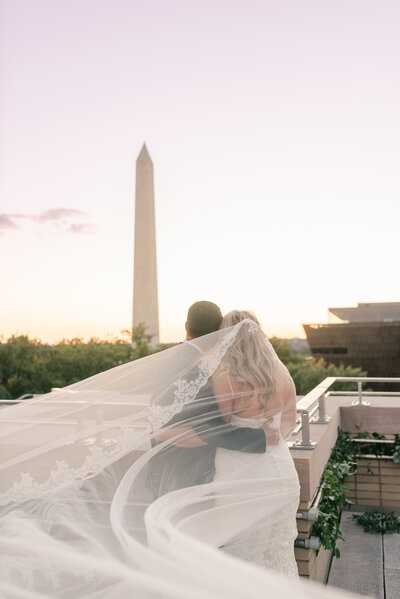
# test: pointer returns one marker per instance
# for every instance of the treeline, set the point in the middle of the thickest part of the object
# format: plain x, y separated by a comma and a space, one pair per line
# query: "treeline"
31, 366
307, 372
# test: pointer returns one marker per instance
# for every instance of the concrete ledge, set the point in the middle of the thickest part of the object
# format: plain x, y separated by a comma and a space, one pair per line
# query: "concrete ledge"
382, 417
310, 464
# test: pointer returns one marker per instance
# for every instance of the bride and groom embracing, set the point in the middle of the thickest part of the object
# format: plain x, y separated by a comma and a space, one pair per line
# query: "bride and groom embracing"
149, 479
225, 427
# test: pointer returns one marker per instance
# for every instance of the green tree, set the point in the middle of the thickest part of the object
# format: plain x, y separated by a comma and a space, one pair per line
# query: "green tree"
20, 364
30, 366
307, 372
140, 341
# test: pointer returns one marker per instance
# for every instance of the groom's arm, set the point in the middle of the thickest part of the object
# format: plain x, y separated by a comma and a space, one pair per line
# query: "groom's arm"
204, 418
218, 433
204, 424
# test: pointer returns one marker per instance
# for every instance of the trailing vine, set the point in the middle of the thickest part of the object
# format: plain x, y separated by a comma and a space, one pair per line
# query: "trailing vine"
333, 491
385, 449
396, 450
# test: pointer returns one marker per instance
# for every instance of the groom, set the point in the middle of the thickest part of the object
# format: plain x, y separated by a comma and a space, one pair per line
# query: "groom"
191, 460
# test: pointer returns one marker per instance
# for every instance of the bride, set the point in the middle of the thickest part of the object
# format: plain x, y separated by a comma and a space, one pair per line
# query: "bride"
77, 518
255, 389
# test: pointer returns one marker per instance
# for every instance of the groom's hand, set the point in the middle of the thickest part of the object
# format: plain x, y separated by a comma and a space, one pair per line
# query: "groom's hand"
182, 436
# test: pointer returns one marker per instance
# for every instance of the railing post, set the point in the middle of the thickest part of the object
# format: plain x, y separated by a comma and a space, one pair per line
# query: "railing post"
360, 401
305, 442
322, 417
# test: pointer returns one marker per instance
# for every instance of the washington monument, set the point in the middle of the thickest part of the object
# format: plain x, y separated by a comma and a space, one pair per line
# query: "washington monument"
145, 293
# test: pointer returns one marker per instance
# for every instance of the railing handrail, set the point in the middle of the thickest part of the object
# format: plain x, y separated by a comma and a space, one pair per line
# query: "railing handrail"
315, 400
306, 406
59, 402
309, 400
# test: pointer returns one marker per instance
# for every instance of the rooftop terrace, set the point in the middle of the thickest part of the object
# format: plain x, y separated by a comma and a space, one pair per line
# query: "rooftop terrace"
369, 562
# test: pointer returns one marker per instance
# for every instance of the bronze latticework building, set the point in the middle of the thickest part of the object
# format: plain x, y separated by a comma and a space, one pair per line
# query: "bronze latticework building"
367, 336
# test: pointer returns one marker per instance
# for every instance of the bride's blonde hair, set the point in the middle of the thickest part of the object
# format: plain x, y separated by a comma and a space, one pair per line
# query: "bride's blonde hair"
250, 359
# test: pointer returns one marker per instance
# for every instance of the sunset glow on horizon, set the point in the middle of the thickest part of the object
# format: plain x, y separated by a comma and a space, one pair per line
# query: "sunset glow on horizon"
274, 132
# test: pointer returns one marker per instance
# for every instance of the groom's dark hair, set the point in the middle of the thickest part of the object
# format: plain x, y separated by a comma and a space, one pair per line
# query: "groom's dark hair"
203, 318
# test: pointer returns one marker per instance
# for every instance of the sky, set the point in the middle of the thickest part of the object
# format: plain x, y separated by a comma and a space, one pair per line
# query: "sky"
274, 129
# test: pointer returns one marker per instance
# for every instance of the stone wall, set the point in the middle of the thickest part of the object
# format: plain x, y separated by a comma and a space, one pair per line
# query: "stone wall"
375, 484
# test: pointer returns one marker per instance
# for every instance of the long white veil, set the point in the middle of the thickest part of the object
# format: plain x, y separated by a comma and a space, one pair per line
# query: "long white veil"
116, 486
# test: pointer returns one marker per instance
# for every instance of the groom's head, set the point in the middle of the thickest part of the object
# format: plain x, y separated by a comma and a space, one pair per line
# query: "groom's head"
202, 318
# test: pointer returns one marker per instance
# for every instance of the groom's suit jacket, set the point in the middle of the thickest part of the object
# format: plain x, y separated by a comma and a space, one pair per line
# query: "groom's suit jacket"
177, 467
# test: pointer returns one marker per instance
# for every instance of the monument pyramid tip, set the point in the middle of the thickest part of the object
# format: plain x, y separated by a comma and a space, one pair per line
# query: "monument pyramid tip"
144, 153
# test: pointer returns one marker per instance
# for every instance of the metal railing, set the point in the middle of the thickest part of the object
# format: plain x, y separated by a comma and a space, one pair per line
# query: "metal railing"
314, 401
306, 407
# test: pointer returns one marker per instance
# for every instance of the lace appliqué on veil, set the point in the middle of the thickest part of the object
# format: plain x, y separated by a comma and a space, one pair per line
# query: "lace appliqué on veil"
50, 571
98, 458
187, 390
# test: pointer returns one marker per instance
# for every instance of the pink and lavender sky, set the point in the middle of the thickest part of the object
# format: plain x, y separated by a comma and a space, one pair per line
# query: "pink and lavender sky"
274, 129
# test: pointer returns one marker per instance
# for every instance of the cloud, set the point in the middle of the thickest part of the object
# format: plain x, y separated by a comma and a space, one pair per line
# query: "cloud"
59, 219
54, 214
80, 228
6, 223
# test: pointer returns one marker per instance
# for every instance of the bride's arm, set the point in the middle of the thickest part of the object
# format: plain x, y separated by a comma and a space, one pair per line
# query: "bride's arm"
223, 394
289, 413
277, 429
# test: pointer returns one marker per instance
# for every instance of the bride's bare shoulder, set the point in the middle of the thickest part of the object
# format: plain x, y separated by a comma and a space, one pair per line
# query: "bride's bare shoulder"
222, 383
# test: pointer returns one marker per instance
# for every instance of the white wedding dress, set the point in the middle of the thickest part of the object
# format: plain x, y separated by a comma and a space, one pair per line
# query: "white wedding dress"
270, 541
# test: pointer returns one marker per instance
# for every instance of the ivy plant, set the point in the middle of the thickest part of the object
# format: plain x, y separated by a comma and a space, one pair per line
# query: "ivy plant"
376, 449
383, 522
333, 490
396, 449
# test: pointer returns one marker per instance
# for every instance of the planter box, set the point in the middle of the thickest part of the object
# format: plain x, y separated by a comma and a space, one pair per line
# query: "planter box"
311, 565
376, 483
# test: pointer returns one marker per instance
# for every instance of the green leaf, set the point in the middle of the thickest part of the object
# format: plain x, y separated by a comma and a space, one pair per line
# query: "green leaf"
383, 522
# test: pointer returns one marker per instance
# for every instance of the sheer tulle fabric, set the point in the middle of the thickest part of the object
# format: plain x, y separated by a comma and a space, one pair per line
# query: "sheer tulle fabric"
130, 483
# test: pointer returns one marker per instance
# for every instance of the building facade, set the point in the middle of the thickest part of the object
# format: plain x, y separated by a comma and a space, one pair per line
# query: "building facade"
366, 336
